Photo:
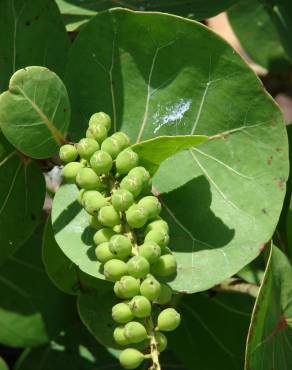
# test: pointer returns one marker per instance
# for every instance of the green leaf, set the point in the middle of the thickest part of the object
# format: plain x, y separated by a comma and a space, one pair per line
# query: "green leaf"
222, 199
257, 33
213, 331
32, 310
31, 33
35, 112
22, 193
3, 365
78, 12
153, 152
61, 270
269, 340
74, 349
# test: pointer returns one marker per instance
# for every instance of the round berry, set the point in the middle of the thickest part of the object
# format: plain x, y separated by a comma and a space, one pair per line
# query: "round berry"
103, 235
126, 160
150, 250
132, 184
101, 162
150, 288
68, 153
87, 179
121, 246
140, 306
121, 313
152, 206
119, 336
158, 224
131, 358
122, 138
165, 265
122, 200
114, 269
111, 146
161, 341
100, 118
135, 332
158, 236
86, 147
97, 132
93, 200
168, 319
80, 196
141, 173
138, 267
165, 294
136, 216
127, 287
103, 253
70, 171
108, 216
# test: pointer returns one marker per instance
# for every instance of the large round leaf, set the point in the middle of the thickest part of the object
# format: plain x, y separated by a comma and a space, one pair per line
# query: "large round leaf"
222, 199
31, 33
22, 193
35, 111
32, 310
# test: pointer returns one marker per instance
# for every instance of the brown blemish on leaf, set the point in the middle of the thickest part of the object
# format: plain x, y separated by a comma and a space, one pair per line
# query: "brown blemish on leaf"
270, 160
264, 211
281, 183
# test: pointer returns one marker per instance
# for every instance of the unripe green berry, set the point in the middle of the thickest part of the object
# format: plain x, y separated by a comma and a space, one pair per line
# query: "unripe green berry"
122, 200
121, 246
161, 341
103, 235
141, 173
132, 184
93, 222
165, 265
101, 162
140, 306
165, 294
158, 224
68, 153
100, 118
127, 287
86, 147
119, 336
70, 171
135, 332
108, 216
158, 236
87, 179
152, 206
111, 146
93, 200
103, 253
114, 269
131, 358
97, 132
150, 288
126, 160
80, 196
138, 267
121, 313
136, 216
168, 320
122, 138
150, 250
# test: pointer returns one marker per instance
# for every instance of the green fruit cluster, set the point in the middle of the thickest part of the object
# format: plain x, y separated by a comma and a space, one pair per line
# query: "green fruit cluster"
131, 237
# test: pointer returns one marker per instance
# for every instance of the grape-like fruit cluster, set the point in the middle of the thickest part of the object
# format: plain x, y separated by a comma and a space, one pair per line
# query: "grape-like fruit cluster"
131, 238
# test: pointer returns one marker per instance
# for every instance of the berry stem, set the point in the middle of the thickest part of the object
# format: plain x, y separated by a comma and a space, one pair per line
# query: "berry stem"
153, 345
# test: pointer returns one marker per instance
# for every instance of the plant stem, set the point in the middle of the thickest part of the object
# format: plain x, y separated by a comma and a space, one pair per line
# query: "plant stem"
235, 285
153, 345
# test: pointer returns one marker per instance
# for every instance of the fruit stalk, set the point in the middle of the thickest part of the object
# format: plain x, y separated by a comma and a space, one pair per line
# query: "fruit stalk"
153, 345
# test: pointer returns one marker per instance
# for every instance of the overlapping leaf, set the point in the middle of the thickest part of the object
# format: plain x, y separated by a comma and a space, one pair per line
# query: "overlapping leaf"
269, 343
35, 111
31, 33
222, 200
22, 193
